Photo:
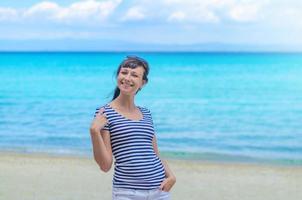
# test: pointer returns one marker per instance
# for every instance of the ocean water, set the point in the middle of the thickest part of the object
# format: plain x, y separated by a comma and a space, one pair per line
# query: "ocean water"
214, 106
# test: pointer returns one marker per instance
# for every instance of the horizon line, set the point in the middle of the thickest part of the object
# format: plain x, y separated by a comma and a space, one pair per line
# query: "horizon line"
157, 51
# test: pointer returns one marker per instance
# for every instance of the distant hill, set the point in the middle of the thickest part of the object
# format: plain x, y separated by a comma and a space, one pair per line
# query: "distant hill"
113, 45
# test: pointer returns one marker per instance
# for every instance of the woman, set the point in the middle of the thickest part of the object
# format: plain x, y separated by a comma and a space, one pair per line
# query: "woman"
125, 131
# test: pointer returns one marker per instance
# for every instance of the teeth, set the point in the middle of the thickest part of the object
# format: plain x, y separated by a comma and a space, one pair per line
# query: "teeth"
127, 84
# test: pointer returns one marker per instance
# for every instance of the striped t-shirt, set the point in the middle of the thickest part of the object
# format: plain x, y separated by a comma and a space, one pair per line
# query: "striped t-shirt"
136, 164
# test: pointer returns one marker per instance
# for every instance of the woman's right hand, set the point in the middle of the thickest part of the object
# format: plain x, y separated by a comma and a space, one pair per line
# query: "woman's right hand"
99, 121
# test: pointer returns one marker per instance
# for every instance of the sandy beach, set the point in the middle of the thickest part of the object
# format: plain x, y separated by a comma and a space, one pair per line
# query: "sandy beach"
46, 177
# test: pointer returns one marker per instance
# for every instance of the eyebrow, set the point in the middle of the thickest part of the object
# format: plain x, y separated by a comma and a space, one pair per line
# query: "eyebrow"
132, 72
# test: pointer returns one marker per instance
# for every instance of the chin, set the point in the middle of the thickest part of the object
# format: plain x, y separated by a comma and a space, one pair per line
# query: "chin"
127, 92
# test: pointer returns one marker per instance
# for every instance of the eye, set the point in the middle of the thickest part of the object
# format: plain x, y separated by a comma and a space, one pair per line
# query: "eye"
124, 72
134, 75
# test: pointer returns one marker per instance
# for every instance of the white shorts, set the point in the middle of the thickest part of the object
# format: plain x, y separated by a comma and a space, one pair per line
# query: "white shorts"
132, 194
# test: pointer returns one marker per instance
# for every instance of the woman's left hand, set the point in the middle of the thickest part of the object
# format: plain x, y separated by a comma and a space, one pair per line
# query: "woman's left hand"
168, 183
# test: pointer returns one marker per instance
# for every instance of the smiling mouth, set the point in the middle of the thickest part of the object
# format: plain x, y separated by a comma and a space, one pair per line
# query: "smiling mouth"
127, 84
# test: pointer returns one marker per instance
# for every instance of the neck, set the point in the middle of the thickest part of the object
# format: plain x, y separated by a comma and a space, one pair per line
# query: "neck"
124, 102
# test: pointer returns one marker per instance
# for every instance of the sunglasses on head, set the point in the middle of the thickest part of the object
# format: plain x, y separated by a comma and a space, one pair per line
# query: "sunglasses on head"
136, 58
143, 61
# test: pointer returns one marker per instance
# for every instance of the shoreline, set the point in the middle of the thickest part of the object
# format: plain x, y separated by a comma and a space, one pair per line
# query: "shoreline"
41, 176
85, 157
178, 156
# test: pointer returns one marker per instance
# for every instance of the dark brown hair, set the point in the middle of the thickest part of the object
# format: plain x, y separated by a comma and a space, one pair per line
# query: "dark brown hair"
132, 62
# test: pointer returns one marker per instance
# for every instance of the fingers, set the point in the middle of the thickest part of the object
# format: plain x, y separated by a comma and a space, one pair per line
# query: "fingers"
166, 185
163, 184
101, 112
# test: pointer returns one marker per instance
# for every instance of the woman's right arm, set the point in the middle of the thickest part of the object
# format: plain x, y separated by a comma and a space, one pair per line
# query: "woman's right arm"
102, 150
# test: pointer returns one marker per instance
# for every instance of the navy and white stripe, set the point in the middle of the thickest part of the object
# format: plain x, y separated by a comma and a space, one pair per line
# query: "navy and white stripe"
136, 164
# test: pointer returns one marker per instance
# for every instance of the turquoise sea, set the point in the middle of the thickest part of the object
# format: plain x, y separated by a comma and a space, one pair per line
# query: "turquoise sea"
214, 106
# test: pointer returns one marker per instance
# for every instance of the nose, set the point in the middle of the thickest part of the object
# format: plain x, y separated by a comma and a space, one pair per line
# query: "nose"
127, 79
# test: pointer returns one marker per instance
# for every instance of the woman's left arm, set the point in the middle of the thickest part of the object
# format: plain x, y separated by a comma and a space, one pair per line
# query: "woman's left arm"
170, 179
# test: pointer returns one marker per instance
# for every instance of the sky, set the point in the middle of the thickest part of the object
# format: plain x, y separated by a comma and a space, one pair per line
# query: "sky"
117, 25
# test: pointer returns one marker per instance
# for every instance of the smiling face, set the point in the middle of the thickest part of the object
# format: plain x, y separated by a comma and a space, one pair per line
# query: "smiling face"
129, 80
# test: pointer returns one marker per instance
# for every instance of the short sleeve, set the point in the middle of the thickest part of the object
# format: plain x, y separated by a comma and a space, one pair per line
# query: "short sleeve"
148, 114
106, 127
